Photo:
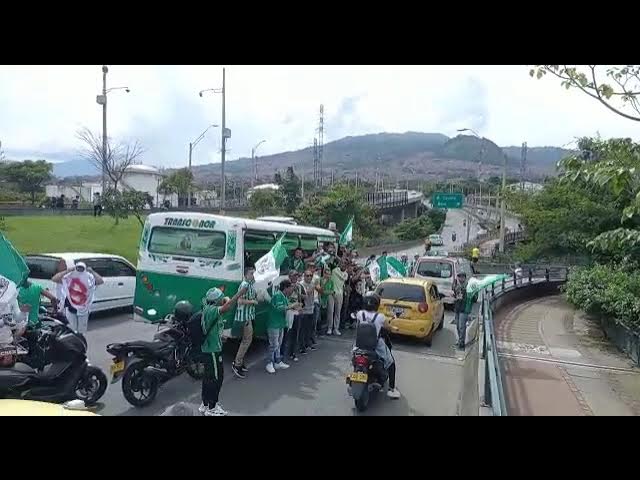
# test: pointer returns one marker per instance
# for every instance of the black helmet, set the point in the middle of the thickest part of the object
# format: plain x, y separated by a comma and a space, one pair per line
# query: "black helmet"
183, 310
371, 302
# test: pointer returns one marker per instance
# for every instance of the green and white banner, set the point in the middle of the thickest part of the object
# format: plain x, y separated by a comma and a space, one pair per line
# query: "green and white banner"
347, 236
387, 267
268, 266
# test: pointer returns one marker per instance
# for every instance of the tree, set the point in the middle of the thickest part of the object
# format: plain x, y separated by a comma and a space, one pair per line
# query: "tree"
119, 204
114, 161
179, 182
266, 202
290, 189
28, 176
618, 91
338, 205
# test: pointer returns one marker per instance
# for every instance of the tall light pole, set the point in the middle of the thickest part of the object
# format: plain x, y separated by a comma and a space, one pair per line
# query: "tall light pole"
502, 206
225, 134
102, 100
254, 180
192, 145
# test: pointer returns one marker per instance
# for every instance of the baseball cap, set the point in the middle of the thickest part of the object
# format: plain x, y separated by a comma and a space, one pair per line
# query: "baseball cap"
214, 295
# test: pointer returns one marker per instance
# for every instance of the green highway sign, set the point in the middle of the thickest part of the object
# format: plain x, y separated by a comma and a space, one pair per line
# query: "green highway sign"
447, 200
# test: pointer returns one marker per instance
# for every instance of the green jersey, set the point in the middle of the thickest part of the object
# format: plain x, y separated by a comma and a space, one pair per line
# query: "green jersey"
327, 291
298, 265
31, 296
277, 312
212, 322
246, 313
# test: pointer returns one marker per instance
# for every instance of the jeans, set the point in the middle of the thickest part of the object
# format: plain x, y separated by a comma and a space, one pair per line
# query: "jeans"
334, 323
316, 322
212, 379
461, 322
275, 336
291, 339
306, 330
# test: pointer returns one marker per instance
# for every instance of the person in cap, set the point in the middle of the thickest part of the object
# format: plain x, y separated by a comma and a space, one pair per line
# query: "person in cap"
213, 306
459, 308
78, 284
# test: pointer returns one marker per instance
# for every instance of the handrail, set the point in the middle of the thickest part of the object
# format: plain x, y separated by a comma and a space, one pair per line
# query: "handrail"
494, 396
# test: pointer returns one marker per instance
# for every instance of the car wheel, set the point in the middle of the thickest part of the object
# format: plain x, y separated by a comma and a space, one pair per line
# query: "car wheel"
428, 340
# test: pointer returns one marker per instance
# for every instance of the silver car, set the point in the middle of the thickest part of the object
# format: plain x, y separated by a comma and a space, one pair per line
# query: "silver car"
443, 272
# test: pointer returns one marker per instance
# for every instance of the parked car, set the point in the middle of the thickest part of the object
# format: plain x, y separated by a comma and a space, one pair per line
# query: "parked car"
119, 276
443, 272
413, 307
436, 240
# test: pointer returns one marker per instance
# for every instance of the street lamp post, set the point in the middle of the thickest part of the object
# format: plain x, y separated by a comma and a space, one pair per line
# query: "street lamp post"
191, 147
102, 100
254, 181
225, 134
502, 205
479, 160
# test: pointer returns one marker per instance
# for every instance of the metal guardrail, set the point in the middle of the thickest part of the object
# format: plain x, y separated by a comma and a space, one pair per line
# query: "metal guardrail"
494, 396
383, 200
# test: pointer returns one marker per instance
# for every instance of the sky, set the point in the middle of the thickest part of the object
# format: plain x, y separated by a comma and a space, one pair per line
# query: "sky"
42, 107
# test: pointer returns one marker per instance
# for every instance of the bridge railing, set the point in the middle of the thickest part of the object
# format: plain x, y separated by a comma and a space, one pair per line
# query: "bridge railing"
388, 199
494, 395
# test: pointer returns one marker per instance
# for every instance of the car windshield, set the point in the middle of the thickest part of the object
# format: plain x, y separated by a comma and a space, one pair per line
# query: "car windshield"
435, 269
42, 268
401, 292
190, 243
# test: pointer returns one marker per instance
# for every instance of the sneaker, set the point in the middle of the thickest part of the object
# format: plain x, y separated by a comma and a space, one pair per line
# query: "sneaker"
282, 365
203, 408
237, 371
217, 411
313, 348
270, 368
337, 332
395, 393
243, 368
293, 358
329, 332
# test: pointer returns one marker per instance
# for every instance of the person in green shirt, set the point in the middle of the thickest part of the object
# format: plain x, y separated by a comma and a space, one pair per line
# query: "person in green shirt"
277, 322
213, 307
30, 295
325, 291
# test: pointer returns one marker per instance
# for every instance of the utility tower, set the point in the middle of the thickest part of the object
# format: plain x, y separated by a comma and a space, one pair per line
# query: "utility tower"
321, 143
316, 171
523, 165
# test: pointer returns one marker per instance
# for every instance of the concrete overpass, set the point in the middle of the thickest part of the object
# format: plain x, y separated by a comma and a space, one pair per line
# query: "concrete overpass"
394, 206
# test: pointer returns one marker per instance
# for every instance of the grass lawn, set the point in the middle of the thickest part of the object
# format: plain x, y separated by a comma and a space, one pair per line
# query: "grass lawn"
53, 234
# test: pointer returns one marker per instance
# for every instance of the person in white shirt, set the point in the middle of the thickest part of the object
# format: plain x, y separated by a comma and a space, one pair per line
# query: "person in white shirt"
339, 277
79, 284
13, 320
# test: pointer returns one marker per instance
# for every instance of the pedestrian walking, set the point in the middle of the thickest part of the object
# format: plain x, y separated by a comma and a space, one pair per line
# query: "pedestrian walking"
276, 323
243, 321
97, 204
78, 284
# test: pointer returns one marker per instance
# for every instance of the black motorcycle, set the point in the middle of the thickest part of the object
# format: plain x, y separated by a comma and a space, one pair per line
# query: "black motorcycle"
144, 366
55, 370
369, 375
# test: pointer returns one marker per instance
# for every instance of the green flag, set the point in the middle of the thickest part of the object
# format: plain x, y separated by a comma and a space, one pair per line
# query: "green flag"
268, 266
390, 267
474, 285
12, 265
347, 236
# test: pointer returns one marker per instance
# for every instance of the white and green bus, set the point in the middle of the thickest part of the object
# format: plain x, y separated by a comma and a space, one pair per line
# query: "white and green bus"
183, 254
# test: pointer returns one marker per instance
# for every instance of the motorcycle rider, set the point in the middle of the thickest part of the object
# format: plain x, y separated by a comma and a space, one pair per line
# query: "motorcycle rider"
13, 319
369, 314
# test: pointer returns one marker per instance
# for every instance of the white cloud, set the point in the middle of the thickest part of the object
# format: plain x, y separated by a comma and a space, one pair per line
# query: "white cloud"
41, 107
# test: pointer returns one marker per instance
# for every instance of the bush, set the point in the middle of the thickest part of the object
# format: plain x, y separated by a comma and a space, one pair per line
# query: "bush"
608, 290
415, 228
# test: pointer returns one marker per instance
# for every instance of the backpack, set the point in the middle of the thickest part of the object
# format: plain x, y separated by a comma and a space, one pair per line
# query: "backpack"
366, 335
194, 329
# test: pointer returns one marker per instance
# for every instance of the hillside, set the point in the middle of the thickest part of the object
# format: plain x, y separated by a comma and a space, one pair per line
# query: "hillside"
392, 155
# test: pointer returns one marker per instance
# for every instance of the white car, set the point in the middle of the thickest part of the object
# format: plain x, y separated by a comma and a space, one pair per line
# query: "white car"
119, 276
436, 240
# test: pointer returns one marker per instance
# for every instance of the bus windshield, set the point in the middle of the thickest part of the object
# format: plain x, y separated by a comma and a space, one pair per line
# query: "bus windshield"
190, 243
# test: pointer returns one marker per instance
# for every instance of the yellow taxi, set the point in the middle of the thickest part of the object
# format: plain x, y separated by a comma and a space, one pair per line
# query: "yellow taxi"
413, 307
28, 408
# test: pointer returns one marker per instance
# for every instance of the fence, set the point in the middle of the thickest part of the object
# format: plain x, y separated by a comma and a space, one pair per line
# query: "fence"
390, 199
494, 396
623, 338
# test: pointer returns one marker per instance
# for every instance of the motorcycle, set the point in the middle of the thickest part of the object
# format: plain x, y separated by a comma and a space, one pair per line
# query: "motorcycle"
144, 366
56, 368
369, 375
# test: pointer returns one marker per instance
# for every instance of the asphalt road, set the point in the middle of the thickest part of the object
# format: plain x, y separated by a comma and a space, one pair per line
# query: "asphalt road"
430, 378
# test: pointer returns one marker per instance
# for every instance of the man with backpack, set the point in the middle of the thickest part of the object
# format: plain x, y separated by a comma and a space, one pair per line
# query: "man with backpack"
211, 324
369, 314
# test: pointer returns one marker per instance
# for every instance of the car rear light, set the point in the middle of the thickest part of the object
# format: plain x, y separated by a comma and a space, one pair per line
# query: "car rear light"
423, 308
361, 361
